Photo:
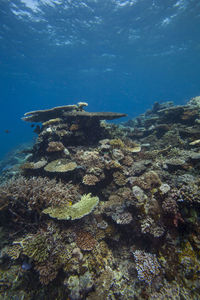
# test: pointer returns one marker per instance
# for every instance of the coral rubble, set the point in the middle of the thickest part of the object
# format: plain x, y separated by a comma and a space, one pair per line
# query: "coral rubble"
103, 211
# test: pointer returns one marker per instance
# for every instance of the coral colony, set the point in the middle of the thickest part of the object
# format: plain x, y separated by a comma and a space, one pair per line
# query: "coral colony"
95, 210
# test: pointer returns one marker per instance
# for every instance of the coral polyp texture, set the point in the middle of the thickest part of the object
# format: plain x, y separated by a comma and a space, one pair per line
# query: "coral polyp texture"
95, 210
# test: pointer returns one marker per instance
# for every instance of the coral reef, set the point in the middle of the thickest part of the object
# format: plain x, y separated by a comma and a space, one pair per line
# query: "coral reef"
103, 211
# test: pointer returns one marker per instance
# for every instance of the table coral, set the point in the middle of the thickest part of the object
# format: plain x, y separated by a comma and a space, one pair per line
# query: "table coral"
76, 211
60, 166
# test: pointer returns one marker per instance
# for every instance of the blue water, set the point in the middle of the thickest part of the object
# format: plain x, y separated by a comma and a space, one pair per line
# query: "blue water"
117, 55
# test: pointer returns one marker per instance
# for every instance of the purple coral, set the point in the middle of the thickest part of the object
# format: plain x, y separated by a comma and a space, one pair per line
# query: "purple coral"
147, 265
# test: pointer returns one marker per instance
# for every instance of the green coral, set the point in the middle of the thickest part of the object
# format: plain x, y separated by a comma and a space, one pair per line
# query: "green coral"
76, 211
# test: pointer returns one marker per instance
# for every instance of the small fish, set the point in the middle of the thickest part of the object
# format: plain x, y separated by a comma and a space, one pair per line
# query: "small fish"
7, 131
32, 125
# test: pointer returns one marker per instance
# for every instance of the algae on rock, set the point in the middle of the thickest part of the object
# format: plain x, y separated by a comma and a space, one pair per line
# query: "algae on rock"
76, 211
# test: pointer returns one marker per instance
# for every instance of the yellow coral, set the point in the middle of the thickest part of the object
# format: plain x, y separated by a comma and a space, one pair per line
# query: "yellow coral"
75, 211
117, 143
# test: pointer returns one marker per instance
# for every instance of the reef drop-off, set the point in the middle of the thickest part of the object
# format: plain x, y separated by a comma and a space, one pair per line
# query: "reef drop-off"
95, 210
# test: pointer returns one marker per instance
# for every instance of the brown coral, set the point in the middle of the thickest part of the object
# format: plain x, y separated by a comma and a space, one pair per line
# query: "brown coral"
38, 192
127, 161
119, 178
90, 179
55, 147
48, 271
85, 240
170, 206
148, 180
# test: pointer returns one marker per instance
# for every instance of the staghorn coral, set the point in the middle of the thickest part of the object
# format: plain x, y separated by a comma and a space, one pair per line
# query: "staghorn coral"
12, 284
47, 249
147, 265
76, 211
36, 247
147, 207
99, 258
4, 199
38, 192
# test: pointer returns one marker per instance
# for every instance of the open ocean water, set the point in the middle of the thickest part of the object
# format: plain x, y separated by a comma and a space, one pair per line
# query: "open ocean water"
117, 55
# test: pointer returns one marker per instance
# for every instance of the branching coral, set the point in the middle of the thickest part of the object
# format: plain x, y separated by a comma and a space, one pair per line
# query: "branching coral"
147, 265
48, 270
90, 179
148, 225
38, 192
